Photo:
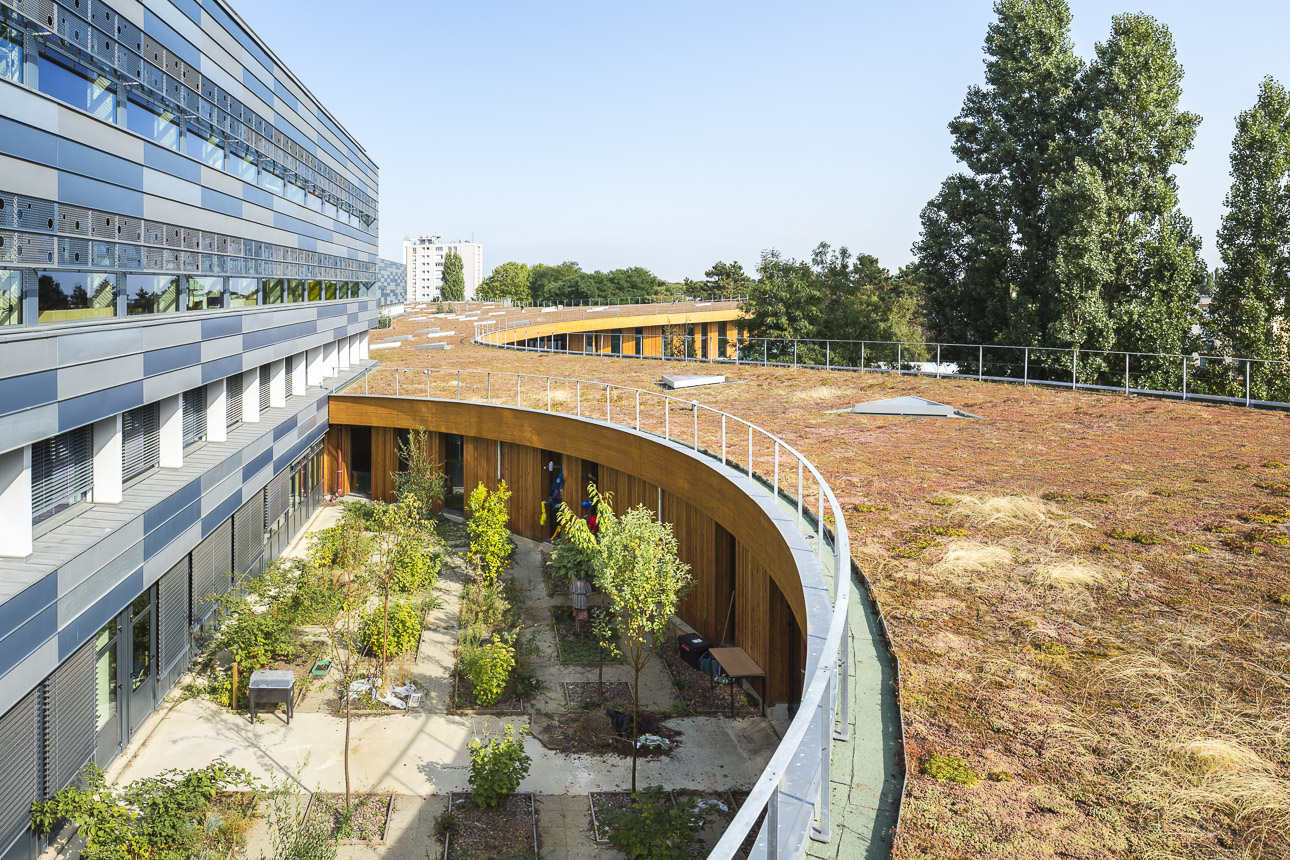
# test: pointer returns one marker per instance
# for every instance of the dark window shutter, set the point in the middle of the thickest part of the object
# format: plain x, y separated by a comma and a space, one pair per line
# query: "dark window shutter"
277, 497
234, 399
264, 387
19, 768
62, 471
173, 617
212, 570
140, 440
194, 415
70, 719
291, 365
248, 533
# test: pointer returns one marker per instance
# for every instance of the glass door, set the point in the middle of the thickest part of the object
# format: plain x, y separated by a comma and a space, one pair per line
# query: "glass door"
107, 685
143, 658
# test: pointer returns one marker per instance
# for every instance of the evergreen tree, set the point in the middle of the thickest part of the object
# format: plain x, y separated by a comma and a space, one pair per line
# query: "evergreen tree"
1251, 297
454, 281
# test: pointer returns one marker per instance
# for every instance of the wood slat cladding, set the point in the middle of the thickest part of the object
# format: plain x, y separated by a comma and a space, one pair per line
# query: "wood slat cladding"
385, 461
653, 341
521, 468
576, 343
783, 681
700, 503
607, 323
336, 477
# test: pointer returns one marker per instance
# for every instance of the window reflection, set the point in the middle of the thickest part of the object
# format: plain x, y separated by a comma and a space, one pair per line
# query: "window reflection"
243, 292
105, 674
205, 293
295, 291
209, 151
160, 127
94, 95
68, 296
10, 53
151, 294
141, 640
274, 291
315, 291
330, 290
10, 297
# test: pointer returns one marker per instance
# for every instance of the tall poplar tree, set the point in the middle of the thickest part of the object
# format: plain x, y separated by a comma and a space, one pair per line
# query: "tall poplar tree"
1251, 298
454, 281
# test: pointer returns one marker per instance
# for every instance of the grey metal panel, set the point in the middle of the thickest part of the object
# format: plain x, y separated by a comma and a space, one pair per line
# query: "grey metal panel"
70, 718
19, 767
248, 539
212, 570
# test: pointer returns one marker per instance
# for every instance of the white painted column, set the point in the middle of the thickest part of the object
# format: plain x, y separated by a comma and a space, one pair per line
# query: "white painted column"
314, 366
107, 461
329, 359
299, 363
15, 503
251, 396
172, 432
217, 411
365, 345
278, 383
342, 354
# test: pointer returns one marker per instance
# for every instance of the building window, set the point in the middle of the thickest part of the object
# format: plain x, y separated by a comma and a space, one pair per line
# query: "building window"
295, 193
69, 296
151, 294
194, 415
62, 472
209, 151
275, 291
10, 295
264, 388
315, 291
159, 127
272, 182
92, 94
10, 54
243, 292
140, 441
205, 293
329, 291
242, 165
295, 291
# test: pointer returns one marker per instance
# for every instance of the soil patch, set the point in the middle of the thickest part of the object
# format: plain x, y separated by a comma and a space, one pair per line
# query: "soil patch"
504, 831
745, 849
593, 732
587, 695
367, 816
577, 647
697, 691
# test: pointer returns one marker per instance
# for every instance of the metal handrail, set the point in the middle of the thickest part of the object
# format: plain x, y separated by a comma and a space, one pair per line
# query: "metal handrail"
1103, 370
825, 703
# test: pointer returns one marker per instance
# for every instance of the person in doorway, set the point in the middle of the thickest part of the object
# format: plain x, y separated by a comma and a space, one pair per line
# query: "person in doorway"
581, 593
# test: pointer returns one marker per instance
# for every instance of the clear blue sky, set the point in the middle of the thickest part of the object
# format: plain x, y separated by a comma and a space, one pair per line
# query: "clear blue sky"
673, 134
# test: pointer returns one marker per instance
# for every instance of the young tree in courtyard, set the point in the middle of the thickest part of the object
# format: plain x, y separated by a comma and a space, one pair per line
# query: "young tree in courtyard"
392, 526
454, 281
424, 482
640, 574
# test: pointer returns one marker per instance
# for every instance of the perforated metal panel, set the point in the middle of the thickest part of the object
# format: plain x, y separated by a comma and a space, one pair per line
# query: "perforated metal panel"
19, 766
62, 471
194, 415
70, 718
248, 533
140, 440
212, 570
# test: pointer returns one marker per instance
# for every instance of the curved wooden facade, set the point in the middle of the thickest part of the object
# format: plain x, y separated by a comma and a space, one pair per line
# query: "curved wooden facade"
712, 334
746, 592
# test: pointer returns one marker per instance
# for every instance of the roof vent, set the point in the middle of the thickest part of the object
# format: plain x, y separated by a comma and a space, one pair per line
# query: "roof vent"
675, 381
909, 407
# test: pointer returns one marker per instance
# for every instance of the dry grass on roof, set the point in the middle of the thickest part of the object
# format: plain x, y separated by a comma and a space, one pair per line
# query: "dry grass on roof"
1089, 594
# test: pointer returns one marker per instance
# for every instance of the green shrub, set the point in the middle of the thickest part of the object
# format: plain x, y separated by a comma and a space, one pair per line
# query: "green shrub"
653, 828
341, 546
490, 539
489, 669
497, 767
404, 630
863, 508
416, 567
944, 531
568, 563
947, 768
1141, 538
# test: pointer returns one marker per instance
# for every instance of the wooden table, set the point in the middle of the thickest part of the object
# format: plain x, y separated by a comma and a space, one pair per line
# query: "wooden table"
736, 663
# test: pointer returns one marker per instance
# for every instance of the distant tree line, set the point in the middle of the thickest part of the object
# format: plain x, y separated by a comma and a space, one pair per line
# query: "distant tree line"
568, 283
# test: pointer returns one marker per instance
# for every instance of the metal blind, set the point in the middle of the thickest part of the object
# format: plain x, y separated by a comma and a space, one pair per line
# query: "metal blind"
264, 387
248, 533
234, 399
19, 770
140, 440
62, 471
212, 569
173, 615
194, 415
277, 498
291, 365
71, 705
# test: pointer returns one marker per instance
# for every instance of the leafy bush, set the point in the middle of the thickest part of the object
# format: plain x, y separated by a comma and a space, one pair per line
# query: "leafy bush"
497, 766
489, 668
490, 540
569, 562
357, 512
415, 566
947, 768
341, 546
150, 818
404, 630
655, 829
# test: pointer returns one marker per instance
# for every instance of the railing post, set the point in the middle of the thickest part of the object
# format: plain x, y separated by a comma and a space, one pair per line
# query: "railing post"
900, 358
862, 345
1074, 366
1025, 372
1184, 391
427, 383
1126, 374
548, 394
750, 466
980, 363
799, 492
365, 376
765, 352
607, 418
1247, 382
723, 438
638, 409
819, 519
821, 833
828, 355
489, 390
667, 417
938, 361
772, 824
579, 396
459, 385
795, 353
776, 470
695, 405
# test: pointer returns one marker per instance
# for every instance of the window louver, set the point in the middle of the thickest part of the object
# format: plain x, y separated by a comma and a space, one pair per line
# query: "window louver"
248, 537
194, 415
19, 772
70, 718
264, 387
291, 364
62, 471
212, 570
172, 620
140, 440
234, 399
277, 498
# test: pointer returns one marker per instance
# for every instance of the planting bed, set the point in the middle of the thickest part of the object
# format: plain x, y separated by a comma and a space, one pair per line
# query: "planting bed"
585, 695
592, 731
577, 648
369, 819
508, 830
